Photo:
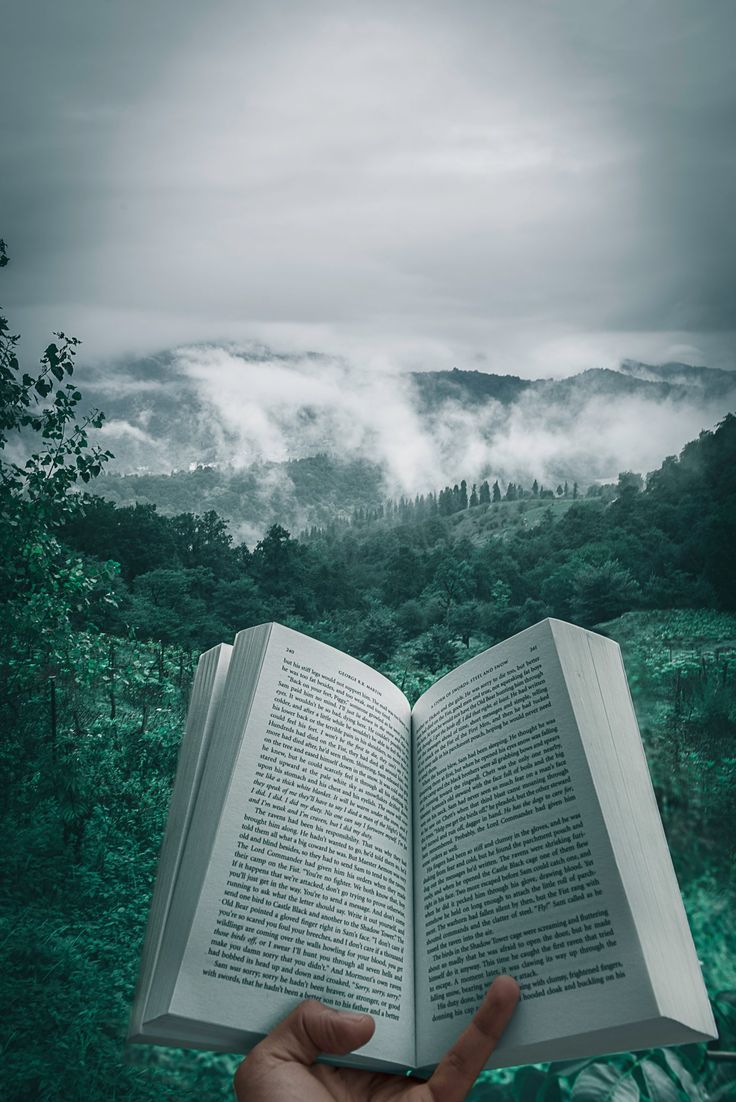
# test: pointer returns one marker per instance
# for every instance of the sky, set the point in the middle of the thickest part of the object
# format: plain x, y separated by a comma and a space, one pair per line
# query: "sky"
515, 186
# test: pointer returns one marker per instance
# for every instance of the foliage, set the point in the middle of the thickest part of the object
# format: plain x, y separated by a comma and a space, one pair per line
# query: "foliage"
658, 1075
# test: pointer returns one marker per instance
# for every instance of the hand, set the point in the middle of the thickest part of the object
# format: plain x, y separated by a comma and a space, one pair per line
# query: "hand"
282, 1069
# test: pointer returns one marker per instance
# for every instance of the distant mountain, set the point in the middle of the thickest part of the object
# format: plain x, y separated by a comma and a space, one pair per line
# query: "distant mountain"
263, 436
708, 379
675, 382
434, 388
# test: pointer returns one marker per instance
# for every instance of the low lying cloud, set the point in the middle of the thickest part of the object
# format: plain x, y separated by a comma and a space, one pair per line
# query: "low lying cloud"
117, 430
278, 408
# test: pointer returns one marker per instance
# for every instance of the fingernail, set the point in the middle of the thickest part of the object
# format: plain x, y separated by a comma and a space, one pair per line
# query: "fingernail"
353, 1017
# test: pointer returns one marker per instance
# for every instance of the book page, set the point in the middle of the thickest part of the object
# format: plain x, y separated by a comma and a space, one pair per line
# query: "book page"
514, 870
309, 891
204, 703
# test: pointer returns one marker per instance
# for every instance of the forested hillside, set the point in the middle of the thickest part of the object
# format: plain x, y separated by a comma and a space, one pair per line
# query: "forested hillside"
105, 609
426, 577
355, 439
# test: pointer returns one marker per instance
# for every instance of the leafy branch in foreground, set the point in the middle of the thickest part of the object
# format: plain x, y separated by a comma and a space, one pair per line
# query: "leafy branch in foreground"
45, 404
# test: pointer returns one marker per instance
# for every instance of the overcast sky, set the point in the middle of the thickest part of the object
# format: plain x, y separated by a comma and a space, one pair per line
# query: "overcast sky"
513, 185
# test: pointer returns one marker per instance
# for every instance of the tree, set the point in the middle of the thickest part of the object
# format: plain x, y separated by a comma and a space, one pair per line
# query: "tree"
496, 492
39, 416
452, 582
484, 496
411, 617
203, 541
404, 577
37, 491
379, 634
136, 536
274, 555
629, 485
473, 497
173, 605
435, 648
46, 591
602, 592
462, 620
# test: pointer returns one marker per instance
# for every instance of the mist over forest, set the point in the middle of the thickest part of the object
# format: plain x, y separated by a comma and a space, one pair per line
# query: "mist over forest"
302, 439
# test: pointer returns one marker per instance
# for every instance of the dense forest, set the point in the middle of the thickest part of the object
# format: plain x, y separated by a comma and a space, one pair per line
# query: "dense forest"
105, 609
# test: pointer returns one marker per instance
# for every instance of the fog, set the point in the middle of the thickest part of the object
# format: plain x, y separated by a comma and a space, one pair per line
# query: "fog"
248, 405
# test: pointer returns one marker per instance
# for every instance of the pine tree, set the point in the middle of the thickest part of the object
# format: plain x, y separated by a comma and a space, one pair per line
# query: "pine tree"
463, 498
485, 493
473, 497
496, 492
535, 488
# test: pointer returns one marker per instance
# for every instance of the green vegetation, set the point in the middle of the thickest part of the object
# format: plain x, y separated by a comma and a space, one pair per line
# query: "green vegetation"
299, 492
105, 609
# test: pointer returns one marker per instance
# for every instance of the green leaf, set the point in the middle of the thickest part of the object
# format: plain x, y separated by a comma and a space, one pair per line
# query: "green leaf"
686, 1080
528, 1084
660, 1087
570, 1068
550, 1091
724, 1093
596, 1083
693, 1056
627, 1090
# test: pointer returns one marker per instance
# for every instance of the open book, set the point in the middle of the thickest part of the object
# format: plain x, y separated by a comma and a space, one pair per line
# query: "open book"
326, 840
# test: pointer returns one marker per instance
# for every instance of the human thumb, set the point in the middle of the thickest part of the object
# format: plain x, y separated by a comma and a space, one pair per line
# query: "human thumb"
313, 1028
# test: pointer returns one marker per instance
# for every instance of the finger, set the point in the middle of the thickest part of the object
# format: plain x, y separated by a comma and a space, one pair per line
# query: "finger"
460, 1067
313, 1028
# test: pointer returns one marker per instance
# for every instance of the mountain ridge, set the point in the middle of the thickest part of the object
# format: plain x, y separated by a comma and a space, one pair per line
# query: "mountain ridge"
250, 413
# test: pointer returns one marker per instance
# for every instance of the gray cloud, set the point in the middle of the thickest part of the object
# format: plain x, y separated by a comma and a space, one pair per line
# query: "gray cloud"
516, 186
